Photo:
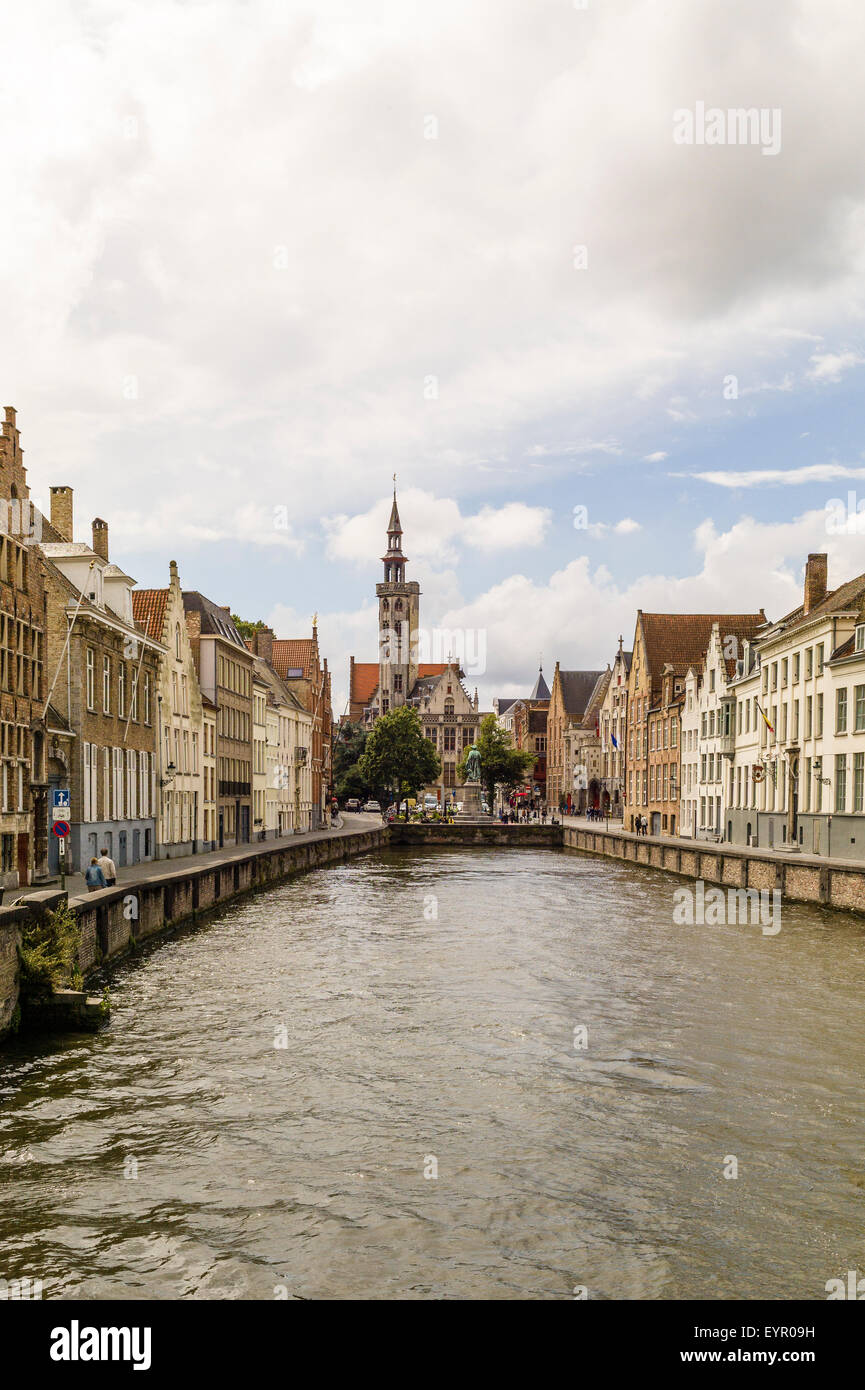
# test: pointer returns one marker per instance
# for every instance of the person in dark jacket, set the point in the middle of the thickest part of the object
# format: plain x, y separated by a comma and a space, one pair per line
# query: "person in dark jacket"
94, 877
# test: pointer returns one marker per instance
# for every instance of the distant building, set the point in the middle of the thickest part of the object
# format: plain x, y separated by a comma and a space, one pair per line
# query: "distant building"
224, 667
180, 721
570, 698
104, 674
378, 686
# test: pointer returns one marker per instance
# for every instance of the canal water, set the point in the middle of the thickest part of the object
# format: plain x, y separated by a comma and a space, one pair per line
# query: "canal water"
366, 1083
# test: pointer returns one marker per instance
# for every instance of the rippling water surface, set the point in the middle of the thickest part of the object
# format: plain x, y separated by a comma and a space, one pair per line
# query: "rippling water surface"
411, 1037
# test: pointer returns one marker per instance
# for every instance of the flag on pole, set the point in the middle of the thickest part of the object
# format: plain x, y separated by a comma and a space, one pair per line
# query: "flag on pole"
614, 741
766, 721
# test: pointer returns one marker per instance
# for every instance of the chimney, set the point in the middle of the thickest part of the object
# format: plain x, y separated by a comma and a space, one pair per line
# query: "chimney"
816, 579
100, 537
263, 640
61, 511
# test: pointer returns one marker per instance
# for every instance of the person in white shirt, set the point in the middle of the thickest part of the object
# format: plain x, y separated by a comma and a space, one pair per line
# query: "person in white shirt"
106, 864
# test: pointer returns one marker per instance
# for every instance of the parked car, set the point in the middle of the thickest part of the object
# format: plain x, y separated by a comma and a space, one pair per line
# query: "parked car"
372, 806
352, 804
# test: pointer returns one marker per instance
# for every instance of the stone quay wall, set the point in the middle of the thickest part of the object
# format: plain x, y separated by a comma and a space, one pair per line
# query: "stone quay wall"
493, 835
113, 920
800, 877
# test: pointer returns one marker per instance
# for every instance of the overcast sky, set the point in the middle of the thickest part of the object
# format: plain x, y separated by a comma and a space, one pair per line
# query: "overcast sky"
259, 256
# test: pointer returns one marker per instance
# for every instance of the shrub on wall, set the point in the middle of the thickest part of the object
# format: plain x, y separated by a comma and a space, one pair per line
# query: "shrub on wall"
49, 953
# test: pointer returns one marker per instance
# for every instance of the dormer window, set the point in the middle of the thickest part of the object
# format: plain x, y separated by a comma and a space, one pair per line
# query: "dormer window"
860, 637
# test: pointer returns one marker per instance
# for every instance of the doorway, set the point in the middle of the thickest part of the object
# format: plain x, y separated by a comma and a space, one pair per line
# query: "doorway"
23, 860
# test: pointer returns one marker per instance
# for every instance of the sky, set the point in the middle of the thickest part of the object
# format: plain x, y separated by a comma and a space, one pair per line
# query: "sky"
259, 257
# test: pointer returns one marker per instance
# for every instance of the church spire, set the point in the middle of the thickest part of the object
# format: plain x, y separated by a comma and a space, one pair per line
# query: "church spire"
394, 560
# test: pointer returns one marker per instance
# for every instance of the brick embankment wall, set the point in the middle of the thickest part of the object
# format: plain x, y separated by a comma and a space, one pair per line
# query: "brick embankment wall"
10, 939
114, 920
800, 877
494, 836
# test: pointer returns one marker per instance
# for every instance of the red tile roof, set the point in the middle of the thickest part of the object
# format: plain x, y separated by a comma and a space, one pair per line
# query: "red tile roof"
681, 639
294, 654
364, 679
148, 610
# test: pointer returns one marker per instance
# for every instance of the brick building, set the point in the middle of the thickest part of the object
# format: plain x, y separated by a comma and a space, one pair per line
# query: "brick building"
666, 646
298, 663
569, 699
101, 670
225, 673
23, 788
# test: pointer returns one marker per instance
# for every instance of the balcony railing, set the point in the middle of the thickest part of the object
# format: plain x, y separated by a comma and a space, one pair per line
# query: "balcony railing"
234, 789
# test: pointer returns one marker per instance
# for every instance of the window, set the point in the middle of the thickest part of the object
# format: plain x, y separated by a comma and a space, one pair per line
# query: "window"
840, 782
121, 689
819, 658
809, 663
106, 684
131, 786
91, 692
858, 781
818, 730
860, 637
795, 668
859, 697
146, 698
177, 650
841, 710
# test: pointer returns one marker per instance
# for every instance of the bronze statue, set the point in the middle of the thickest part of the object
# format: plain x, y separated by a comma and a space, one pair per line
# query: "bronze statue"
473, 765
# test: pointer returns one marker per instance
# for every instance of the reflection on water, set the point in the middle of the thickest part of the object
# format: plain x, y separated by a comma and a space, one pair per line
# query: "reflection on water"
427, 1003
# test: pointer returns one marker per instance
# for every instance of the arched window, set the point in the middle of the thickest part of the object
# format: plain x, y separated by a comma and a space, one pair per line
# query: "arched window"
449, 706
177, 640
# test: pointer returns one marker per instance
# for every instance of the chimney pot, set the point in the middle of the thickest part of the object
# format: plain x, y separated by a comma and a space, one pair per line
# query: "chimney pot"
100, 537
61, 511
816, 580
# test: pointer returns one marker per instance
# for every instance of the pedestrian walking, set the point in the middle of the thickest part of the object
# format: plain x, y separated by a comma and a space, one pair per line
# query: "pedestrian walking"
94, 877
106, 864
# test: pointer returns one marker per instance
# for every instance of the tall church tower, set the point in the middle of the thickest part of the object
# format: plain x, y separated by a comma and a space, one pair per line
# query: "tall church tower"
398, 622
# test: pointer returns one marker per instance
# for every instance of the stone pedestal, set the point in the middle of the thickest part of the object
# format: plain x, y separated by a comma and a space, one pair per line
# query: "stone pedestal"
470, 796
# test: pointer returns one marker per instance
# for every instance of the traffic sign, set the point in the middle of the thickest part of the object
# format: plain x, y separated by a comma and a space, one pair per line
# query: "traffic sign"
61, 828
59, 812
60, 798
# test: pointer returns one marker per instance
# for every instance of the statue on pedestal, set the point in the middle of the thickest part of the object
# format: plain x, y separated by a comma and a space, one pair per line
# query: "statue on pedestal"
473, 765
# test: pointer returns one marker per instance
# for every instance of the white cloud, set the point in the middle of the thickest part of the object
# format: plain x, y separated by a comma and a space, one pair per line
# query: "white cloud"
627, 526
657, 457
436, 528
767, 477
831, 366
235, 239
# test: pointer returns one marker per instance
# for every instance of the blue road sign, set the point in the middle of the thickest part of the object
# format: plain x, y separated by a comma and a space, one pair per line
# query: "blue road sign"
61, 796
60, 828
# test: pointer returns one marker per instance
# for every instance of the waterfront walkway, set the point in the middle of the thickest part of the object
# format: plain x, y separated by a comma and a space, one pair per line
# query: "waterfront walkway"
776, 854
157, 868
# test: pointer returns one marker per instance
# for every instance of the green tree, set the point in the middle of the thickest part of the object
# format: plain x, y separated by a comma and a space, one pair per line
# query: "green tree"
349, 744
246, 629
398, 758
502, 765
